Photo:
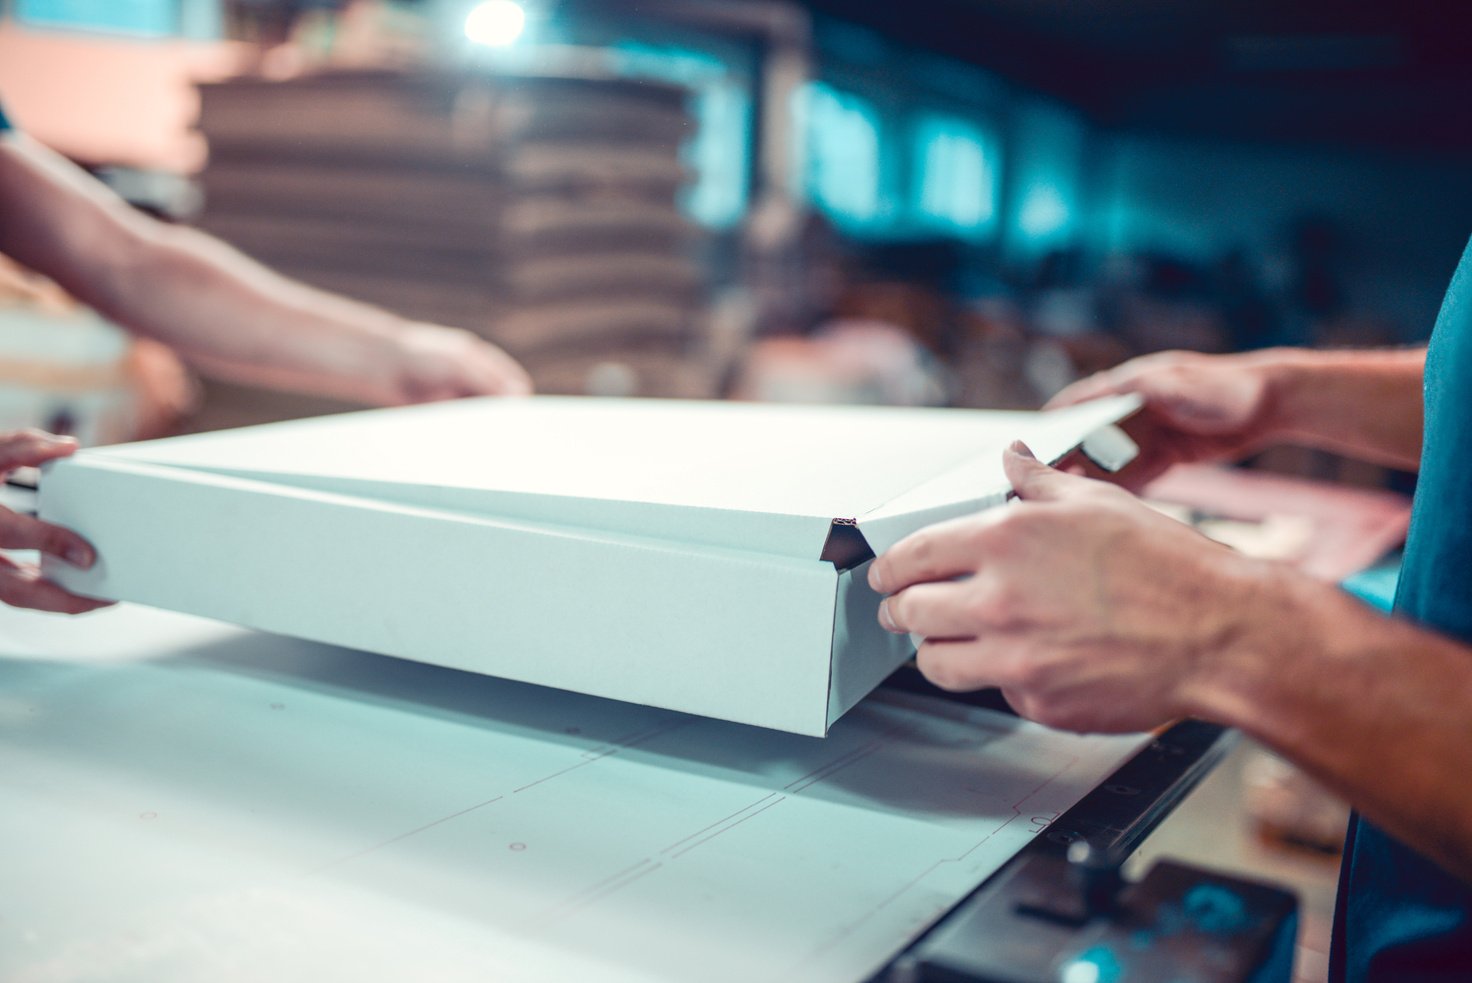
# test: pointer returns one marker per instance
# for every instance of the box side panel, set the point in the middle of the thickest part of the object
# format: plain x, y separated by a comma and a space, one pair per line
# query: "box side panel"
713, 632
864, 654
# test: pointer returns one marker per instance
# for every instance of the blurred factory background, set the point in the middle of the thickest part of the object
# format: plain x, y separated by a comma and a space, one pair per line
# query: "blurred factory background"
939, 202
950, 202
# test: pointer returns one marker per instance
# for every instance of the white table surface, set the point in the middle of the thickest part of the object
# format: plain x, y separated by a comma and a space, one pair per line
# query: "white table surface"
183, 800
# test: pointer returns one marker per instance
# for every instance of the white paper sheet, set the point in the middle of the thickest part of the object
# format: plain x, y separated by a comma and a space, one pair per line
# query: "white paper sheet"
181, 800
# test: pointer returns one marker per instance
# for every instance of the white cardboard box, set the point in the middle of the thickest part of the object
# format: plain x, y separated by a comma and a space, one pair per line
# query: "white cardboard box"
703, 557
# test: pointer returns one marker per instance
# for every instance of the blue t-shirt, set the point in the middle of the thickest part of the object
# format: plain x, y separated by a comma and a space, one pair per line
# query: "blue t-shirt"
4, 123
1400, 917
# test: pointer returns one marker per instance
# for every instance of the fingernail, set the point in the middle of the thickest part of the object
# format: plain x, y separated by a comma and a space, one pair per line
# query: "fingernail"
80, 556
876, 579
885, 621
1022, 450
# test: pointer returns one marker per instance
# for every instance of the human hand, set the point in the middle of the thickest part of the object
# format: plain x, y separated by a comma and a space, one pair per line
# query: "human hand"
1091, 611
432, 362
1197, 408
21, 584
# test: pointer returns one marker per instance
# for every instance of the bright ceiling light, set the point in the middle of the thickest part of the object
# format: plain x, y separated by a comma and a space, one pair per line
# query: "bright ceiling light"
496, 23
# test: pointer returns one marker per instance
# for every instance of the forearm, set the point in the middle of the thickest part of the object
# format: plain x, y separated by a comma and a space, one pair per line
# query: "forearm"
233, 317
217, 307
1366, 404
1376, 708
220, 310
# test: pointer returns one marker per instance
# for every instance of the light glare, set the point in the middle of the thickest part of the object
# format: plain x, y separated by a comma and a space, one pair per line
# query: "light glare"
495, 23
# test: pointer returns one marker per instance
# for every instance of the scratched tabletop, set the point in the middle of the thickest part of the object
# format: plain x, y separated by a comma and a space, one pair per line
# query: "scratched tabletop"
183, 800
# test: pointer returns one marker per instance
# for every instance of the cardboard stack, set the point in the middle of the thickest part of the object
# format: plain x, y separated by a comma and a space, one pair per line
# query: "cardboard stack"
361, 183
594, 258
538, 211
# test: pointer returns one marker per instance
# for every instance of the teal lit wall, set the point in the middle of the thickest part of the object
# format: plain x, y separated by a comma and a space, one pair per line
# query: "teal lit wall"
1047, 201
957, 176
1404, 219
842, 167
145, 18
902, 144
897, 172
196, 19
719, 152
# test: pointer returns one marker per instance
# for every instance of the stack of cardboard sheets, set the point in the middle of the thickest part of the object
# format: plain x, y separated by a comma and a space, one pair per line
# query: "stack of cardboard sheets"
594, 258
358, 182
539, 211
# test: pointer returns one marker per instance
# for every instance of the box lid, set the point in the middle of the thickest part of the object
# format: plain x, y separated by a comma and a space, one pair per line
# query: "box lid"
765, 478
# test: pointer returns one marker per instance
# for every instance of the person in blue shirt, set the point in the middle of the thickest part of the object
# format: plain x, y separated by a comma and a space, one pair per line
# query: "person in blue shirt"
219, 310
1094, 613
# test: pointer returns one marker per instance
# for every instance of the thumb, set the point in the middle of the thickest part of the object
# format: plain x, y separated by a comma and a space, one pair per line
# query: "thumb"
1032, 479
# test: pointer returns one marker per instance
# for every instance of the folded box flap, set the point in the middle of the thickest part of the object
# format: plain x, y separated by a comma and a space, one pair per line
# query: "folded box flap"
980, 482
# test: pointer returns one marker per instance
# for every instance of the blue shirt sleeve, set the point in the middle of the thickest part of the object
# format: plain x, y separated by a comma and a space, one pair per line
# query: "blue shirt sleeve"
4, 122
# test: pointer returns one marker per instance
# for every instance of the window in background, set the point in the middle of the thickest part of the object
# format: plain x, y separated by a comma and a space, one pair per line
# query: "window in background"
841, 159
1048, 145
143, 18
718, 153
1044, 212
957, 175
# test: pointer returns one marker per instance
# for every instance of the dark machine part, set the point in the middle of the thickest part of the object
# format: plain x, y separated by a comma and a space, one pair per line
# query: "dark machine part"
1060, 912
1182, 924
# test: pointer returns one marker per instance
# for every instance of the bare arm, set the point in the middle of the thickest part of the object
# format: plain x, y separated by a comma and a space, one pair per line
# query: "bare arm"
220, 310
1094, 613
1223, 407
1366, 404
1376, 708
